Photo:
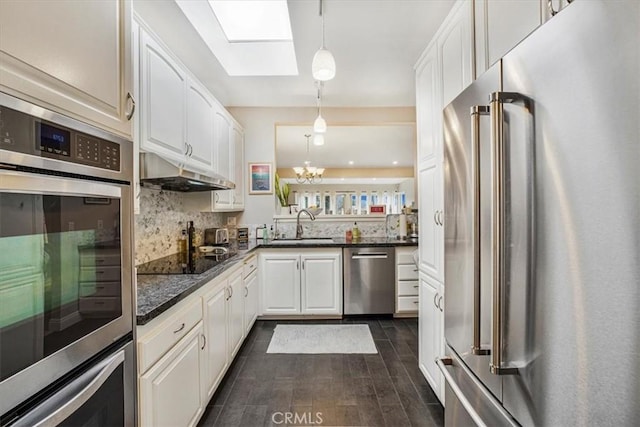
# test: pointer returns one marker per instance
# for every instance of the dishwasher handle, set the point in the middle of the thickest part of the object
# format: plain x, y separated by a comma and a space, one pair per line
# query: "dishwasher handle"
370, 255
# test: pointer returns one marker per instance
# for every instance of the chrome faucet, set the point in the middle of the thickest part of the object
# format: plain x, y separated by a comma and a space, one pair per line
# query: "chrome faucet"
299, 226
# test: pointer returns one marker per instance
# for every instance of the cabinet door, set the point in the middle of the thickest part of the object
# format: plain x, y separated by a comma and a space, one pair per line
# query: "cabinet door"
321, 284
162, 89
72, 57
431, 235
170, 390
215, 329
501, 25
428, 106
223, 159
429, 331
236, 313
238, 160
250, 301
280, 281
454, 44
200, 129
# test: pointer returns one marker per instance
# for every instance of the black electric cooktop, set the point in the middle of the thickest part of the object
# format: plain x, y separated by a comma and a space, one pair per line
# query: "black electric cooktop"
180, 263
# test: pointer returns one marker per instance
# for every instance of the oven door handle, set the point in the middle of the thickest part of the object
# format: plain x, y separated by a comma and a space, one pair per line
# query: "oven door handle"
69, 399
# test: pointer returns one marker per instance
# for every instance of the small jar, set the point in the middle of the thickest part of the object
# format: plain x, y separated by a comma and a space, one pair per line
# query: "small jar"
348, 236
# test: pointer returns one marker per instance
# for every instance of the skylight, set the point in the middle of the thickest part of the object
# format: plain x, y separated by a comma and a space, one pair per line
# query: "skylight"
253, 20
246, 48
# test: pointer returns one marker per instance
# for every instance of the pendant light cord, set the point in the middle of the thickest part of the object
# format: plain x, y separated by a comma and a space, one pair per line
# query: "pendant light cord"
322, 16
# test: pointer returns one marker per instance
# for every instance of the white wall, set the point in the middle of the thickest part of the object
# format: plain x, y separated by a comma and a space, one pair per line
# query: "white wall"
259, 132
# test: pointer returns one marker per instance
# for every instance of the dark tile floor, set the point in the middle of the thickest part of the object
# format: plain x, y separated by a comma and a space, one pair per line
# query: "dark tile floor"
327, 389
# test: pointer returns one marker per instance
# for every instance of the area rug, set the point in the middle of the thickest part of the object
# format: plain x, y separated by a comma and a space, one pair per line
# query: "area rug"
319, 339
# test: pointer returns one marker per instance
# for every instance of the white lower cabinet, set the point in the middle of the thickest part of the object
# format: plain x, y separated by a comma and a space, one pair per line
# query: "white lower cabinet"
170, 391
430, 331
215, 328
406, 282
301, 282
235, 319
184, 353
251, 292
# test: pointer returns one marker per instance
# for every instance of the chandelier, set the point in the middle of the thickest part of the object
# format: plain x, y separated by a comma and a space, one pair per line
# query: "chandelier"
308, 173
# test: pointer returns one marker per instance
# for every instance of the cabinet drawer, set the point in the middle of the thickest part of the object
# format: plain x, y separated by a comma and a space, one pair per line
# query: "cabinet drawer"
152, 346
95, 258
407, 304
100, 289
408, 287
250, 264
98, 305
100, 274
407, 272
404, 257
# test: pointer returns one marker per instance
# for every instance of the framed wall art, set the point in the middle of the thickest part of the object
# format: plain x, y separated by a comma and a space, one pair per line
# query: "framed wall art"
260, 178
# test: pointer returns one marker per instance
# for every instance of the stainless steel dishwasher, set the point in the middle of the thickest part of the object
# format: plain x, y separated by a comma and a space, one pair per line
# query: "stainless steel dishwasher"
369, 280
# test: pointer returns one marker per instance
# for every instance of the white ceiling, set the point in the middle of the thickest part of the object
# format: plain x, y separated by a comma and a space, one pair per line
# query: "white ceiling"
370, 146
375, 44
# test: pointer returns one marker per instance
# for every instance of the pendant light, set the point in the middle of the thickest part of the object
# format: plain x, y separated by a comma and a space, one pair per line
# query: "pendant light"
320, 124
323, 66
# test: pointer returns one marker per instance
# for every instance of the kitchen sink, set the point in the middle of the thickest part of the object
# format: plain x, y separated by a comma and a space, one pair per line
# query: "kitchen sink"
305, 241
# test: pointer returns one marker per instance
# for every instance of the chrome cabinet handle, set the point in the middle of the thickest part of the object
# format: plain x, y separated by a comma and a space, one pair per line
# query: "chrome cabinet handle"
415, 302
246, 292
297, 265
179, 329
552, 11
204, 344
226, 294
440, 304
476, 112
133, 105
435, 297
230, 292
499, 222
415, 286
435, 217
190, 150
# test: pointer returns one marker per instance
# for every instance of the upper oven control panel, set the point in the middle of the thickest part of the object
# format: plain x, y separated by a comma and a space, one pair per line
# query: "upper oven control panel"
23, 133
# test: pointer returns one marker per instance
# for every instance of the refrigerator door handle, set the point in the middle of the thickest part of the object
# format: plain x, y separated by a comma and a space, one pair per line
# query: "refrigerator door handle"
496, 111
476, 112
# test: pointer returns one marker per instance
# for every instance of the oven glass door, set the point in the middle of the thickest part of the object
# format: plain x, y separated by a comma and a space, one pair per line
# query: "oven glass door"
61, 273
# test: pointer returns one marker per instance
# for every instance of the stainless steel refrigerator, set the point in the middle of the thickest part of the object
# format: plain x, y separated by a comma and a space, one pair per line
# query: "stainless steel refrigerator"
542, 228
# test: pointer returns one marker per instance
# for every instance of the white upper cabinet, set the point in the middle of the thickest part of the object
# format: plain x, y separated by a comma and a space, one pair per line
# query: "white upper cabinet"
455, 45
200, 129
238, 167
72, 57
500, 25
163, 101
224, 154
428, 105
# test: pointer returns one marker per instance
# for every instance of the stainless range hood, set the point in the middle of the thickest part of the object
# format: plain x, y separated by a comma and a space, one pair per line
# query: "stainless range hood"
157, 172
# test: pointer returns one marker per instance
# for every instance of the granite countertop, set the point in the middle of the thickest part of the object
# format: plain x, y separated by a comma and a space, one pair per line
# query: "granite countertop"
338, 242
159, 292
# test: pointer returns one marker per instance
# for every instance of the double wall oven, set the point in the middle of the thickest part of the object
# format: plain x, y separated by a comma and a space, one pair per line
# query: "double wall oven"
66, 317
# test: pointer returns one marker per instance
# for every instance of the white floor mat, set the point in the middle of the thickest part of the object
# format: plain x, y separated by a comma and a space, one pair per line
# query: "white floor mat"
318, 339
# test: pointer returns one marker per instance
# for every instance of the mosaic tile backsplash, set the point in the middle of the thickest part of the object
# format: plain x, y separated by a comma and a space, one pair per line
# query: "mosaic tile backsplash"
385, 227
161, 221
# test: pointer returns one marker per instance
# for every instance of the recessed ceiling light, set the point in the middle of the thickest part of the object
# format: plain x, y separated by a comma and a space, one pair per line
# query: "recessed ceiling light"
341, 179
253, 20
374, 179
395, 162
350, 162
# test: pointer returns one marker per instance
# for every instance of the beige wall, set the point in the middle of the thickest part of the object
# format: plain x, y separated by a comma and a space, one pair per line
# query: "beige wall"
259, 126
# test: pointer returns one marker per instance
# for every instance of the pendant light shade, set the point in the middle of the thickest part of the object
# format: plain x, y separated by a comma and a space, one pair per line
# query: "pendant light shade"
320, 125
323, 66
318, 139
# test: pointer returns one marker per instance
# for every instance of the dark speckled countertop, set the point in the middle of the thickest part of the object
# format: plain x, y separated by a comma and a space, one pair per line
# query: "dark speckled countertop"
158, 292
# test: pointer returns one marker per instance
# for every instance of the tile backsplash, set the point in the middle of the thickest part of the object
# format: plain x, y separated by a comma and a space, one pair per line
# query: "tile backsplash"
161, 221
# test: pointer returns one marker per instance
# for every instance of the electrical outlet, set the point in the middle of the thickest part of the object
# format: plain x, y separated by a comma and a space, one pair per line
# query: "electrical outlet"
72, 226
100, 224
